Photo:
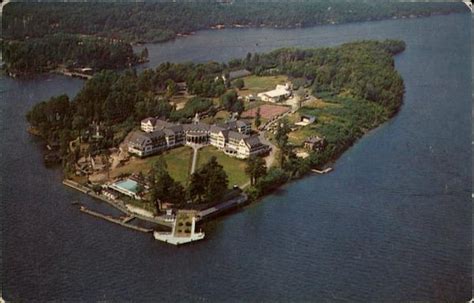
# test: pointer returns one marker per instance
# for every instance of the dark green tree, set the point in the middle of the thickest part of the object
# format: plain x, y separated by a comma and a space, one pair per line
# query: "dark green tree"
171, 88
239, 83
273, 179
256, 168
163, 187
281, 138
209, 183
228, 99
238, 107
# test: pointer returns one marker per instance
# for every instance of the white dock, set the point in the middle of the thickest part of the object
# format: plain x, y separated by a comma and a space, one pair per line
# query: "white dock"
181, 233
324, 171
468, 4
171, 239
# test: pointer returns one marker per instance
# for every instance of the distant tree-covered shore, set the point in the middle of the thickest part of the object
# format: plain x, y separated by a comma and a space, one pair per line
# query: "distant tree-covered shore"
40, 36
154, 22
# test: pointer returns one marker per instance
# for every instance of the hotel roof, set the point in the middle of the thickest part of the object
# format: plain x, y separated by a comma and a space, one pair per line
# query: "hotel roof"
253, 141
239, 74
139, 138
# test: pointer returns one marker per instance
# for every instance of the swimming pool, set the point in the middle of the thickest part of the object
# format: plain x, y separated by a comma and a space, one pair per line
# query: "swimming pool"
127, 184
127, 187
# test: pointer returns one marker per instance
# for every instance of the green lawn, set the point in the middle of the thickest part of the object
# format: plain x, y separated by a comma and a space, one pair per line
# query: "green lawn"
234, 168
256, 84
178, 161
298, 137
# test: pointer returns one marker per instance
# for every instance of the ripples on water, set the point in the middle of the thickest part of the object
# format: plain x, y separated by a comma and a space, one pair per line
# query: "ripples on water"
391, 223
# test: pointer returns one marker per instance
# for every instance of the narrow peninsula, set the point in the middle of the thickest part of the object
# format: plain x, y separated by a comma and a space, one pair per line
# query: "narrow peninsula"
183, 142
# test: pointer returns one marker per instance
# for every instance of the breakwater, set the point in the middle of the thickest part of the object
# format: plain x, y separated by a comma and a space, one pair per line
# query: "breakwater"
121, 222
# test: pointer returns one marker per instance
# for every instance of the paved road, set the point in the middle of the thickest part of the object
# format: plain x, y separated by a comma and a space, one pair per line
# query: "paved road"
271, 157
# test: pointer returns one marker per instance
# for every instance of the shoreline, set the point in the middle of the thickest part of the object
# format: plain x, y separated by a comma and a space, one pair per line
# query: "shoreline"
58, 70
203, 215
179, 35
141, 43
278, 175
322, 170
327, 167
120, 205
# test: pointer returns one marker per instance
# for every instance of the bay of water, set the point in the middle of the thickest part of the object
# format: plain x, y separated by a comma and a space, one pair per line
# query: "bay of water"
391, 223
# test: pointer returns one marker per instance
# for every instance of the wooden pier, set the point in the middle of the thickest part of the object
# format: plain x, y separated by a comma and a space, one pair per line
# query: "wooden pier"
118, 204
122, 222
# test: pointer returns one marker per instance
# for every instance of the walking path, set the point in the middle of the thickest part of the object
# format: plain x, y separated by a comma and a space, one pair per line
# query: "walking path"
195, 147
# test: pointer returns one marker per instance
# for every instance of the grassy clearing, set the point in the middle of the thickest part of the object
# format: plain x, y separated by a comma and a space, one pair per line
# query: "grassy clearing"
178, 161
180, 100
319, 103
234, 168
298, 137
256, 84
339, 119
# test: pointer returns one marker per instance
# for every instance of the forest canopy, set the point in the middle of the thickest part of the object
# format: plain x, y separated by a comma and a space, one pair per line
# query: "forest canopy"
39, 37
117, 100
154, 22
50, 51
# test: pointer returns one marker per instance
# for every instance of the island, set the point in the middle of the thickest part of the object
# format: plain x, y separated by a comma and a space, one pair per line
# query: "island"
181, 143
68, 54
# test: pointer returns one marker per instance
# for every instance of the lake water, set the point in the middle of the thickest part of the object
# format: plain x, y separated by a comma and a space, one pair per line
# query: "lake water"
391, 223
